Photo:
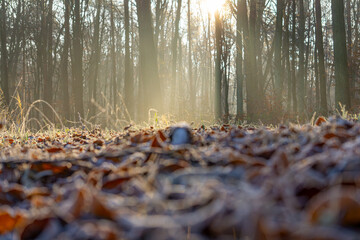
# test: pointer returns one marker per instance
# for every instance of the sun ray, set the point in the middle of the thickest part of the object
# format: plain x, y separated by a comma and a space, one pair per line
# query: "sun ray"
213, 5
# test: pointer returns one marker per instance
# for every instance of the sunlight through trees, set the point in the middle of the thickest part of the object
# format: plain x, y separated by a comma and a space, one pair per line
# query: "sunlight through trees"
112, 62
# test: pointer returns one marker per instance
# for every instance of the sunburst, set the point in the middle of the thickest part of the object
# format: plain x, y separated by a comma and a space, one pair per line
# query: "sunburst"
213, 5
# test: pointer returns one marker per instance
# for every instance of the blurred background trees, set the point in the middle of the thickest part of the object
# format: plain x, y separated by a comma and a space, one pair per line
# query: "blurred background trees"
111, 62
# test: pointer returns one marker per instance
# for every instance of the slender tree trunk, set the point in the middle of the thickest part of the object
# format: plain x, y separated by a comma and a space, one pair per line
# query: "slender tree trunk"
301, 79
191, 79
321, 56
258, 51
77, 62
39, 51
342, 91
307, 99
43, 50
239, 62
255, 68
94, 59
211, 65
113, 58
278, 48
160, 40
218, 73
129, 85
4, 55
181, 80
356, 43
287, 58
64, 73
14, 50
226, 78
293, 57
41, 45
174, 51
317, 80
48, 60
134, 73
349, 48
25, 82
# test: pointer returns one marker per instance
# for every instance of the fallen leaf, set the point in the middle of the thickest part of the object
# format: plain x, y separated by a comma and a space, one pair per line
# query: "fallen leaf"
10, 220
98, 142
320, 121
54, 150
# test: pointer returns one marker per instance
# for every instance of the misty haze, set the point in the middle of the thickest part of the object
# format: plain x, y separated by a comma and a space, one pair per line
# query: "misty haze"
179, 119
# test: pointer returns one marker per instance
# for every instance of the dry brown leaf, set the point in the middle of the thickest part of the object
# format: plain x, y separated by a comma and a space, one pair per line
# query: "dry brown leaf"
156, 143
54, 150
161, 136
137, 138
10, 220
56, 169
319, 121
114, 183
76, 206
336, 206
99, 209
98, 142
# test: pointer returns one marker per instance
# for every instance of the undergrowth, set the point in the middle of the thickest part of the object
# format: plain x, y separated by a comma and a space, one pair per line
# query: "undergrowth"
21, 119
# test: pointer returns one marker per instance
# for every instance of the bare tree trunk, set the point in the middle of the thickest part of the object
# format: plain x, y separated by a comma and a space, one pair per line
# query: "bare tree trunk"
113, 58
94, 59
210, 58
4, 55
250, 61
157, 21
356, 64
301, 79
181, 80
41, 48
293, 57
149, 76
129, 85
239, 61
278, 48
191, 79
77, 63
349, 48
174, 51
306, 72
287, 58
25, 82
321, 56
218, 73
317, 80
48, 60
14, 50
226, 77
39, 51
258, 51
64, 73
342, 91
253, 48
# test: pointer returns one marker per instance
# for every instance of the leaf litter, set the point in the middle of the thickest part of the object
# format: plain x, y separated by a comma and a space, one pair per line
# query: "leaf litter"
220, 182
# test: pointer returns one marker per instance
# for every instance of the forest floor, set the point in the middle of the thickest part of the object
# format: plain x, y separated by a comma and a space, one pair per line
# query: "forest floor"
221, 182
